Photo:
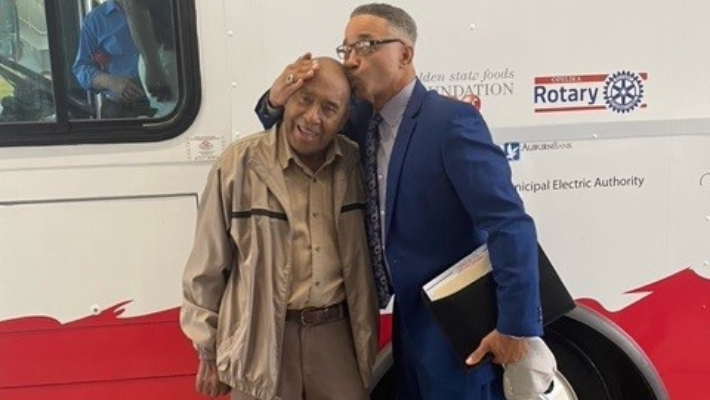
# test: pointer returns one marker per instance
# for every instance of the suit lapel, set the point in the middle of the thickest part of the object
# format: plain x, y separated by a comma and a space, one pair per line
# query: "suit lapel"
399, 151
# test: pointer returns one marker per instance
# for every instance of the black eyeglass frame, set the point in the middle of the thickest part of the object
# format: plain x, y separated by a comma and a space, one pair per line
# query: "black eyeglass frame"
344, 50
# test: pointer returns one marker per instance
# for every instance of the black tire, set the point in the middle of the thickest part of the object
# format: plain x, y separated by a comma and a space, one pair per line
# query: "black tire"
594, 366
580, 371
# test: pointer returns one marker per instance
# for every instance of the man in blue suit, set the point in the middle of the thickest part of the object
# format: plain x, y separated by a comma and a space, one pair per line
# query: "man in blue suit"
444, 189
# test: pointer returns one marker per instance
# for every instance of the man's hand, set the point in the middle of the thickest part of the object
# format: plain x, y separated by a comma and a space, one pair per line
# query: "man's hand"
125, 88
505, 349
291, 79
207, 382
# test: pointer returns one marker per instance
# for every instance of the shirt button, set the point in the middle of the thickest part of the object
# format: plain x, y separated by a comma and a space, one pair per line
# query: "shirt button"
315, 215
317, 283
317, 248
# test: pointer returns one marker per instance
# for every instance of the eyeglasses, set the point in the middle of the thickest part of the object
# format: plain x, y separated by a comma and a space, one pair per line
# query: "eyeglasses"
362, 47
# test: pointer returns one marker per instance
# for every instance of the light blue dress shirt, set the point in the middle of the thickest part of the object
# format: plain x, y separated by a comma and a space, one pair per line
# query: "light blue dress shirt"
391, 113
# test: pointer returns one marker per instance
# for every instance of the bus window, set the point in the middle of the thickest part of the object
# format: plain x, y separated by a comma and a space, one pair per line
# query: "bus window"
87, 71
25, 76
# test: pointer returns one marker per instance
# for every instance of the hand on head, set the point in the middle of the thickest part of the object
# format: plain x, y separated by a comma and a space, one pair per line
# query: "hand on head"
292, 79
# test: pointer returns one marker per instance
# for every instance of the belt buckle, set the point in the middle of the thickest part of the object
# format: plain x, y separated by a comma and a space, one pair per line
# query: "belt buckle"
308, 316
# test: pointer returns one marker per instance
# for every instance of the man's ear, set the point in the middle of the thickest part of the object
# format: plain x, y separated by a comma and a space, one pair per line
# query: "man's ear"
406, 56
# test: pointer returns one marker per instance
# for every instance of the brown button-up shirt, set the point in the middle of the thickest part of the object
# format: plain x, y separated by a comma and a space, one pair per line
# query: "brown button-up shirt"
316, 278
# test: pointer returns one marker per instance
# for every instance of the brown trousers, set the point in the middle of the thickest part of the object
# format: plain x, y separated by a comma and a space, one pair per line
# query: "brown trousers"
318, 363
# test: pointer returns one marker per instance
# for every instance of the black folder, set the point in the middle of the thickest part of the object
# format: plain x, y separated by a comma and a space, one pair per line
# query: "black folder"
471, 313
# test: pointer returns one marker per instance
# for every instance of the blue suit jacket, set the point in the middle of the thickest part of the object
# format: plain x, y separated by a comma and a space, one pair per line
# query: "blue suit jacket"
449, 191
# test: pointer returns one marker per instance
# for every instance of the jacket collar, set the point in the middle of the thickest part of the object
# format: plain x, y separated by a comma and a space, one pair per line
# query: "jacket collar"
285, 153
110, 7
265, 162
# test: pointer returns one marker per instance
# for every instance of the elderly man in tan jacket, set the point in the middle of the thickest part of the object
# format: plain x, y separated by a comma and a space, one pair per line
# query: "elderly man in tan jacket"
279, 298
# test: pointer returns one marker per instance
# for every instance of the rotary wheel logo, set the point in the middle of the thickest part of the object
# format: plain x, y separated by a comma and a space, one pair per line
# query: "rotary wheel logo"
623, 91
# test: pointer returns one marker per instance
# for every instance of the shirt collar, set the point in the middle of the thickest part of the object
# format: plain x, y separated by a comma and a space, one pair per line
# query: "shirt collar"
394, 109
111, 6
285, 153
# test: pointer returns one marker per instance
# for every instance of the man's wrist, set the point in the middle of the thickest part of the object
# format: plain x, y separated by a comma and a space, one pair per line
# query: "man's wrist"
270, 108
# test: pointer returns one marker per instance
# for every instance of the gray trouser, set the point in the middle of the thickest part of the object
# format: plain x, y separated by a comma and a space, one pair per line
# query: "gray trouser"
318, 363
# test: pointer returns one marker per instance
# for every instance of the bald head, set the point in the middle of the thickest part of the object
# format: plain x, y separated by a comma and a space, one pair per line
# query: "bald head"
332, 70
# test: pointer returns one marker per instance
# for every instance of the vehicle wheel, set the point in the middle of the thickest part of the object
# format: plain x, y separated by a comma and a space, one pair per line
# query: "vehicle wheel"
578, 377
592, 367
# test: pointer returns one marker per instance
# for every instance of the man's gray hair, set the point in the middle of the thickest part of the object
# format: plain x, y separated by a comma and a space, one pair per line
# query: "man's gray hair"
394, 15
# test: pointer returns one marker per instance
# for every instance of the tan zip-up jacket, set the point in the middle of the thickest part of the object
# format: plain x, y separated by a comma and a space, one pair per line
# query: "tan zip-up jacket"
237, 279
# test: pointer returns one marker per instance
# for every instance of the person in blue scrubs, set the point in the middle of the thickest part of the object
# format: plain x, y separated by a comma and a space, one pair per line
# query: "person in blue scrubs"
107, 62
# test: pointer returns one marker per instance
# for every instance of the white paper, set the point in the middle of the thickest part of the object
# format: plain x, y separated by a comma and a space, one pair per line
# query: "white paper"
461, 274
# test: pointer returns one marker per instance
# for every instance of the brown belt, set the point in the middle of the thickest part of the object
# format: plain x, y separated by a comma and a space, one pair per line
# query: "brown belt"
315, 316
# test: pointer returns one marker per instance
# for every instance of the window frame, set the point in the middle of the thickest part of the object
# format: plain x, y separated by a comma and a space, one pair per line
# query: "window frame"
64, 131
